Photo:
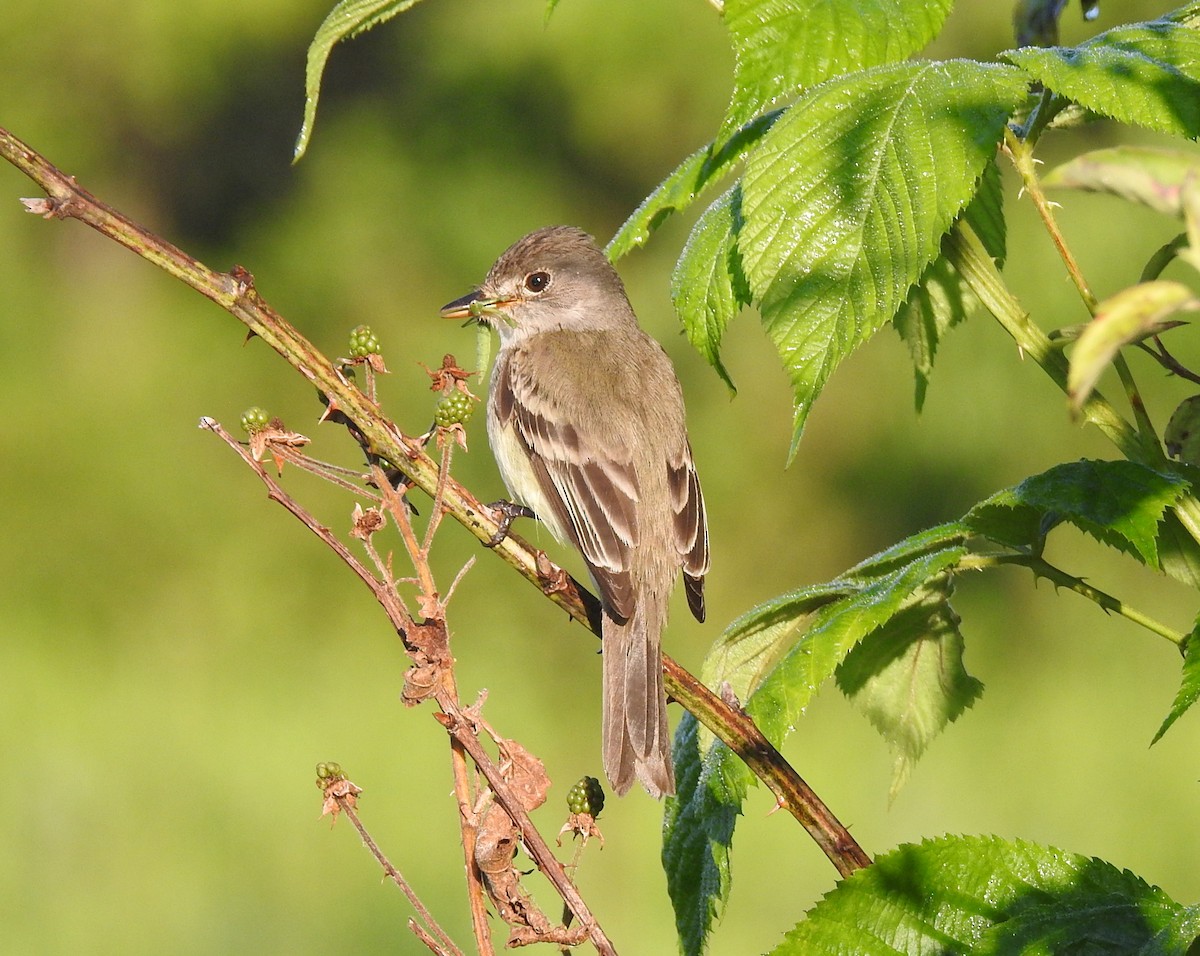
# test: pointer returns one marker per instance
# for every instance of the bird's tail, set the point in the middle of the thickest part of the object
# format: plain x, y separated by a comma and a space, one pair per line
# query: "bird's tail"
637, 745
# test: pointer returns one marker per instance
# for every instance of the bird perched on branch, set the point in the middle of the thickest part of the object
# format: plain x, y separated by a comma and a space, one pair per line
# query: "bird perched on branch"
586, 421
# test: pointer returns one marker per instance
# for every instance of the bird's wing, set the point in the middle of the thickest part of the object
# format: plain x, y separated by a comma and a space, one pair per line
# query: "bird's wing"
691, 527
591, 491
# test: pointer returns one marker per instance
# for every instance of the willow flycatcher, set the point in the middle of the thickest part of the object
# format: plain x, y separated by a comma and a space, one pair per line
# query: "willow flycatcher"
585, 418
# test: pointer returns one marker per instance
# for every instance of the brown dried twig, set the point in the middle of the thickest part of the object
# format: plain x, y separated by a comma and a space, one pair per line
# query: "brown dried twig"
432, 677
234, 291
341, 797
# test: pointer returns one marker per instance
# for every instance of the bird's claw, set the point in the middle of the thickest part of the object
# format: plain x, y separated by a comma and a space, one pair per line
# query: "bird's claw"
509, 511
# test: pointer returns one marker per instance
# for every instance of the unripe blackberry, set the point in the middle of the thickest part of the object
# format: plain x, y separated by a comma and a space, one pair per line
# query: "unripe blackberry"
454, 409
254, 419
363, 342
587, 796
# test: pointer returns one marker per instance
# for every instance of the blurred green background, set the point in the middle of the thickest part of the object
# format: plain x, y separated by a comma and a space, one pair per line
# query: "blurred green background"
177, 653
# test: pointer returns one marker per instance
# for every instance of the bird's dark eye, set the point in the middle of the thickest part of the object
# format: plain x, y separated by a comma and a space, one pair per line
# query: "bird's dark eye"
537, 282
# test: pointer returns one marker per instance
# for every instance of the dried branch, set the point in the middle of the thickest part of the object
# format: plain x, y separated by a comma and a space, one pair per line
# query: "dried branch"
234, 291
345, 803
432, 676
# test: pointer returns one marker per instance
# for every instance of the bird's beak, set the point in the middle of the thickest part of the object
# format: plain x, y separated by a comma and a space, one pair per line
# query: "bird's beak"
476, 307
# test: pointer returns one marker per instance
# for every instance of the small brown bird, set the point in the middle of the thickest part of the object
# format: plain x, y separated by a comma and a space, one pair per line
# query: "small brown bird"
585, 418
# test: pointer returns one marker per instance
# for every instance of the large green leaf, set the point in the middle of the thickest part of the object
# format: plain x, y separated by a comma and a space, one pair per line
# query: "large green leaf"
347, 19
679, 190
985, 895
942, 299
762, 657
845, 201
707, 286
834, 629
1118, 502
1145, 73
698, 827
782, 47
908, 676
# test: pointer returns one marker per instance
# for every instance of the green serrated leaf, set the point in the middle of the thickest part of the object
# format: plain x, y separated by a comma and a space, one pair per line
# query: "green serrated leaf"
942, 299
908, 676
987, 895
698, 823
1150, 176
985, 213
846, 200
822, 621
782, 47
1189, 685
1120, 503
1178, 551
1146, 74
679, 190
1129, 316
907, 550
782, 695
707, 286
935, 305
348, 19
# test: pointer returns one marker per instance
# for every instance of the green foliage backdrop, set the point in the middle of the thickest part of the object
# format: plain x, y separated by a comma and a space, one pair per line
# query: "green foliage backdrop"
177, 655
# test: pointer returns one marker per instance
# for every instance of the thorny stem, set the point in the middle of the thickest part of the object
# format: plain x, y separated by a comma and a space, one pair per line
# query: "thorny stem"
235, 292
791, 792
1133, 395
1169, 361
1142, 446
1021, 153
458, 724
397, 877
439, 512
394, 607
967, 254
466, 822
1059, 578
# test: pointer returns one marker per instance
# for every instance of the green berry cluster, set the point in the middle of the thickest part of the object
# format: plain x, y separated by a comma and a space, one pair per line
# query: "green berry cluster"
255, 419
327, 772
454, 409
363, 342
587, 796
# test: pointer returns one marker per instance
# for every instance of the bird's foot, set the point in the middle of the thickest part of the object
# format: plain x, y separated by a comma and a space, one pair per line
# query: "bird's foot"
507, 512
